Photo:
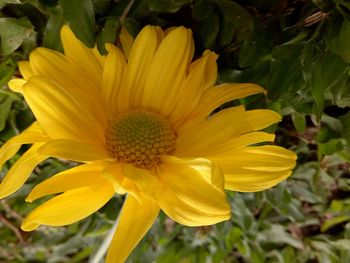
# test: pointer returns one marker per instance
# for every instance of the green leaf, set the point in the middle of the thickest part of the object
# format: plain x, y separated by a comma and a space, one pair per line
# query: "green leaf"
327, 69
7, 68
5, 2
208, 30
334, 221
52, 31
328, 148
226, 33
285, 79
12, 33
108, 34
167, 6
299, 121
237, 16
278, 234
79, 15
345, 120
256, 45
340, 44
5, 106
202, 9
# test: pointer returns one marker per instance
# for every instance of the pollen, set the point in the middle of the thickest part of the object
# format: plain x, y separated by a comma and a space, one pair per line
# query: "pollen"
140, 138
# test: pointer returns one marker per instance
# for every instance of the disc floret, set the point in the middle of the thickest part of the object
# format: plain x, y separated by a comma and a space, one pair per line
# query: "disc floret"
140, 138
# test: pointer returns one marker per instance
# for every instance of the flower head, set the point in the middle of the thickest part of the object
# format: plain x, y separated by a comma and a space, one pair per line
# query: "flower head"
142, 123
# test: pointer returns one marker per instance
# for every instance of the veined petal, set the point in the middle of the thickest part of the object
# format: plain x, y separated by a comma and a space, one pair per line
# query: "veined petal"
188, 195
260, 119
146, 181
32, 134
16, 84
168, 70
56, 67
251, 169
218, 95
135, 220
25, 69
202, 75
69, 207
74, 151
21, 170
224, 131
60, 114
126, 41
101, 59
121, 183
77, 177
82, 56
198, 139
113, 95
242, 141
140, 58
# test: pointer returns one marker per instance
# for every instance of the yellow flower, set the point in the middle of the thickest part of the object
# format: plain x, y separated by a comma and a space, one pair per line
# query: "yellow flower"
141, 123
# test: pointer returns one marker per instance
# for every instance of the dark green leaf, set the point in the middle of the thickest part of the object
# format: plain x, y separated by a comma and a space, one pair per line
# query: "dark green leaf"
202, 9
327, 69
5, 106
256, 45
108, 34
167, 6
52, 32
208, 29
79, 15
237, 16
340, 44
346, 127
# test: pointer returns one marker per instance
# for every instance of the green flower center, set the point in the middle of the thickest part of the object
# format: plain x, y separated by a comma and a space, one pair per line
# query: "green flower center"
140, 138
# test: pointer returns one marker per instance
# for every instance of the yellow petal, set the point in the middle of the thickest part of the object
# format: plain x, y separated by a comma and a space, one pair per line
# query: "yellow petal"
21, 170
60, 114
198, 139
135, 220
74, 151
126, 41
202, 75
140, 58
32, 134
145, 180
188, 195
16, 84
82, 56
25, 69
168, 70
251, 169
218, 95
113, 93
56, 67
77, 177
260, 119
121, 183
69, 207
101, 59
224, 131
241, 141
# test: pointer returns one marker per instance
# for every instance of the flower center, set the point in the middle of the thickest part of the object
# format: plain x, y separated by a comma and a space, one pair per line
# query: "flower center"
140, 138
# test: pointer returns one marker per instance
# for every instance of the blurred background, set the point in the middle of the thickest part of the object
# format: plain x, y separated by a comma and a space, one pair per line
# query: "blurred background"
298, 50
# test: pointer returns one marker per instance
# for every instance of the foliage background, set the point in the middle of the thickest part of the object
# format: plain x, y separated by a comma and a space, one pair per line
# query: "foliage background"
298, 50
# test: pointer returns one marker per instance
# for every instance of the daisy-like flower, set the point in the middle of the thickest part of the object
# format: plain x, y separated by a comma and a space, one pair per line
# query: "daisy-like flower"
142, 123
